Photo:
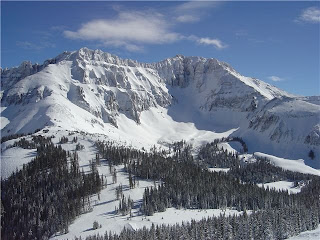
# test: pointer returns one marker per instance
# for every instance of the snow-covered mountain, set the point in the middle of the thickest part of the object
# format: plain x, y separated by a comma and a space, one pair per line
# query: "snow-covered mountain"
92, 91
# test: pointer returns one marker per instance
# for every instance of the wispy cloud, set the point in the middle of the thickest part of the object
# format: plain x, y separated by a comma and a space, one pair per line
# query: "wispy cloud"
276, 78
193, 11
44, 39
129, 30
311, 15
196, 6
214, 42
35, 46
187, 18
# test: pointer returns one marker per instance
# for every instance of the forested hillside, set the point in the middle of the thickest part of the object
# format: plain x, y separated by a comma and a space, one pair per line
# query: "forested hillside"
49, 192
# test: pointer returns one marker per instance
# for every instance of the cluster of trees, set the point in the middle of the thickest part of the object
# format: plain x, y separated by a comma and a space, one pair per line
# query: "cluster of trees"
214, 156
12, 136
233, 139
125, 206
240, 140
17, 135
47, 194
63, 140
181, 150
186, 185
262, 171
116, 154
183, 183
80, 147
260, 225
33, 144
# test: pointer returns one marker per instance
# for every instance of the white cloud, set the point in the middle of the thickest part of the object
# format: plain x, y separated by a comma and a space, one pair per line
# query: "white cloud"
193, 6
193, 10
210, 41
311, 15
133, 30
129, 29
187, 18
276, 79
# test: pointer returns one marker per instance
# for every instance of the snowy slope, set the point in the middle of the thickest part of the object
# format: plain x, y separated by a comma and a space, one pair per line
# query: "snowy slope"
190, 98
13, 159
291, 165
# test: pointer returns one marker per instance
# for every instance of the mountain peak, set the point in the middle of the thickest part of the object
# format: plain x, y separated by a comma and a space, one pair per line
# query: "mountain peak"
97, 88
178, 70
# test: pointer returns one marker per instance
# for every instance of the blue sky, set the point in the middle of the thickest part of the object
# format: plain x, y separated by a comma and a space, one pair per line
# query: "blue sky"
277, 42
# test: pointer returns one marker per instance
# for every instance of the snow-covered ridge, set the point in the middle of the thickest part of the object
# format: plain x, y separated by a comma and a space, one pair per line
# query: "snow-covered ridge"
93, 91
180, 70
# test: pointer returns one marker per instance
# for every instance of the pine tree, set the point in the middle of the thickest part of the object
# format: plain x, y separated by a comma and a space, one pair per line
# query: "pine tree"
311, 154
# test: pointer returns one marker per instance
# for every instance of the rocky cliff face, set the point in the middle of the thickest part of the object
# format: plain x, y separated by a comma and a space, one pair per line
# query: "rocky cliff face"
288, 119
106, 86
97, 82
216, 83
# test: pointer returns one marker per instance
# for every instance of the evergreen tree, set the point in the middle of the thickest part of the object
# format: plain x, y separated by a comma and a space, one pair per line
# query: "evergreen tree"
311, 154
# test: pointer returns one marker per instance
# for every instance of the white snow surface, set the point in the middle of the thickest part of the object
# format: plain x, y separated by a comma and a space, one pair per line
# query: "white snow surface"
219, 169
3, 120
281, 186
13, 159
292, 165
308, 235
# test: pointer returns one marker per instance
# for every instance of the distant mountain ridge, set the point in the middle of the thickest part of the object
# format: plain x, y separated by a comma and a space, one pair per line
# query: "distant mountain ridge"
91, 87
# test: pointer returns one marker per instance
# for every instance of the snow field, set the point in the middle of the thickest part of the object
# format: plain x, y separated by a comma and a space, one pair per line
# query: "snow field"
3, 120
292, 165
281, 186
13, 159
